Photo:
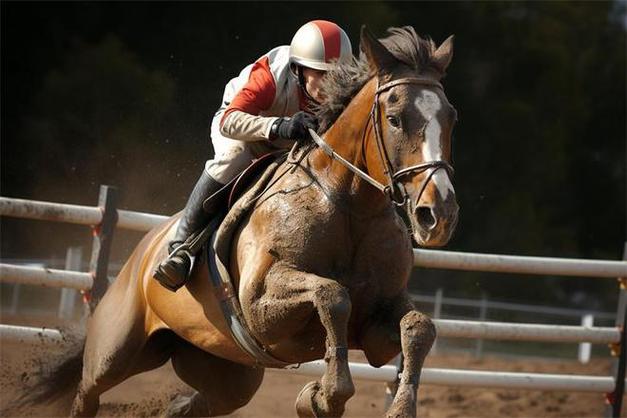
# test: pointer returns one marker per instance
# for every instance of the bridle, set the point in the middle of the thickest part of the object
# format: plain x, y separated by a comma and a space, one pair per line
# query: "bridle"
394, 189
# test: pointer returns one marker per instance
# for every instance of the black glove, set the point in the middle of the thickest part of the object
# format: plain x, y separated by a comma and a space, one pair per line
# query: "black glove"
293, 128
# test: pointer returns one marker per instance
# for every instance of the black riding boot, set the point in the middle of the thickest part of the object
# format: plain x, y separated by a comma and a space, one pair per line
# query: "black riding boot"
173, 272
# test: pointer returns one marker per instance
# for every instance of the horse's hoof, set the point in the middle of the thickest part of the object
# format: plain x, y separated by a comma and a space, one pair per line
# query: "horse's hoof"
305, 405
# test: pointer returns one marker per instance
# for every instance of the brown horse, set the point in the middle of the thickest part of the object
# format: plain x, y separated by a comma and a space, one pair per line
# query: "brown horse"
320, 265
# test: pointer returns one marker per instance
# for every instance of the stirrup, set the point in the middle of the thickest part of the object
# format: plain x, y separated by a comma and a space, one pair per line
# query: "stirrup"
168, 272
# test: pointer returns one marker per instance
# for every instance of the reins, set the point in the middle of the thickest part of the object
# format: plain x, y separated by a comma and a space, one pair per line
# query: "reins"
394, 189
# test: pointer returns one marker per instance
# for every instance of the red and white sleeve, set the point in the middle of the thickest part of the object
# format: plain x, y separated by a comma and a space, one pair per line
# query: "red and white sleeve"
241, 118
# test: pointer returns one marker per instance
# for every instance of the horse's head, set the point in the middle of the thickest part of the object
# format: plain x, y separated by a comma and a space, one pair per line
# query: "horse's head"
410, 145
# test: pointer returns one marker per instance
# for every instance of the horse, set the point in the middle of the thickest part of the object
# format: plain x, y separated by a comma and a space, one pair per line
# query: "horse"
320, 265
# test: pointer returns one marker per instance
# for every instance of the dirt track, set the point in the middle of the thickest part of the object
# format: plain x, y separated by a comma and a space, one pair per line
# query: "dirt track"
147, 394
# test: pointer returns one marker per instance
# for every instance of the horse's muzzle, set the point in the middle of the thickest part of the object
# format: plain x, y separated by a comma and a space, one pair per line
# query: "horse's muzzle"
434, 222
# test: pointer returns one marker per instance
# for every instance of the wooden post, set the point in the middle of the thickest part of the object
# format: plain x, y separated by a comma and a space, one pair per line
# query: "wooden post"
101, 248
615, 398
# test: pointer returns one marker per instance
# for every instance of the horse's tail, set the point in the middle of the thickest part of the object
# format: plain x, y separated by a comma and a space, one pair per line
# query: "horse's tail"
53, 380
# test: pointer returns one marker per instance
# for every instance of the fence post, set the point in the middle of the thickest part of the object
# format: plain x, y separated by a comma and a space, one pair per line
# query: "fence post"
437, 313
483, 313
73, 261
615, 399
585, 349
101, 247
15, 298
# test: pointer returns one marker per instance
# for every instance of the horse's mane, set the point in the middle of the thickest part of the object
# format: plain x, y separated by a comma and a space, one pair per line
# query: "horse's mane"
343, 82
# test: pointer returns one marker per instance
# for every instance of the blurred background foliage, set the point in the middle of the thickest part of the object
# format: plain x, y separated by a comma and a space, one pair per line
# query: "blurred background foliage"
122, 93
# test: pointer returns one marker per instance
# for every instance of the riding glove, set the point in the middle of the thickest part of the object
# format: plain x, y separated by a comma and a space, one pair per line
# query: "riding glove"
293, 128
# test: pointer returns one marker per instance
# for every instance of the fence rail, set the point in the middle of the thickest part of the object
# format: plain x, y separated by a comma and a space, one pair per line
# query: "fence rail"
41, 276
76, 214
519, 264
22, 334
514, 307
455, 377
526, 332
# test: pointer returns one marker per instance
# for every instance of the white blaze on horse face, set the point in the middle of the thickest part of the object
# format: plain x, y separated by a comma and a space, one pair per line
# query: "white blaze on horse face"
428, 104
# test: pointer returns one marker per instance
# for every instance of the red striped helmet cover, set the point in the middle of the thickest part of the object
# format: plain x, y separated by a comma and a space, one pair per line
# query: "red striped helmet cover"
320, 44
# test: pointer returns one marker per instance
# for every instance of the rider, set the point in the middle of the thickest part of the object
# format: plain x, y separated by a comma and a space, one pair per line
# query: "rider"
263, 109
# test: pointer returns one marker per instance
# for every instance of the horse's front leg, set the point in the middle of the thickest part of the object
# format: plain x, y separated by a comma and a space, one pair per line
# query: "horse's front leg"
380, 344
328, 397
289, 301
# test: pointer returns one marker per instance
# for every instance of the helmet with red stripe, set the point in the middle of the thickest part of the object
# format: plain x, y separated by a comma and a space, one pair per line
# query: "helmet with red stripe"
320, 44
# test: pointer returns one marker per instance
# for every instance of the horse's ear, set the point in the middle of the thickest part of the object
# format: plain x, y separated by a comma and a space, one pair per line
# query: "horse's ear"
444, 54
379, 58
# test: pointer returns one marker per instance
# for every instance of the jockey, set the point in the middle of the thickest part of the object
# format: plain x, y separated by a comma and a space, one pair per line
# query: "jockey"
263, 110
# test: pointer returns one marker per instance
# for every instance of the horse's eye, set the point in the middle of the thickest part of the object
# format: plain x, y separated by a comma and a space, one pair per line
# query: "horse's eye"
394, 121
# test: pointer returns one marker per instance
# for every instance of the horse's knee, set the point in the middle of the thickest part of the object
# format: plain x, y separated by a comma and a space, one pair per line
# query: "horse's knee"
416, 326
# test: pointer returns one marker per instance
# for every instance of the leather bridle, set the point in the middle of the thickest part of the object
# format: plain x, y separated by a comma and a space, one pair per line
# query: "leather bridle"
394, 189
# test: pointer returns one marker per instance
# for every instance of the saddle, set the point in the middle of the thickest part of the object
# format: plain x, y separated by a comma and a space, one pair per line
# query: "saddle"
226, 197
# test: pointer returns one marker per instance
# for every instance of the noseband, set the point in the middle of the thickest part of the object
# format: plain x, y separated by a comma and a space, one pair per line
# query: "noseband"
394, 189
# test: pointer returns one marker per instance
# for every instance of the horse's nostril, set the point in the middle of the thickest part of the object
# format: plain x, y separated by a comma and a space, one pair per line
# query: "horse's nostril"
425, 217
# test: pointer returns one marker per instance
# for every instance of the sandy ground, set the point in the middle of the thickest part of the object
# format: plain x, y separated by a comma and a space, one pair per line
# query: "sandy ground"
148, 394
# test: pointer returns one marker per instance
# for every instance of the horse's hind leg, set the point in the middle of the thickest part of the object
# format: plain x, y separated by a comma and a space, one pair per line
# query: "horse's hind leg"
116, 348
133, 357
222, 386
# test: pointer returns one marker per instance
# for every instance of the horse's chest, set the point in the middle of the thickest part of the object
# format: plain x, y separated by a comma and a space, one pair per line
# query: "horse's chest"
307, 230
314, 234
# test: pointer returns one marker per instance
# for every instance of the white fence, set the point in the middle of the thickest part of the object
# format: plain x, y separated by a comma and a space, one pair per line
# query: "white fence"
422, 258
497, 311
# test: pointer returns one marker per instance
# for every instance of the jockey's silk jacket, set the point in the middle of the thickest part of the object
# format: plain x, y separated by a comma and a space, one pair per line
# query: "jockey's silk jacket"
263, 91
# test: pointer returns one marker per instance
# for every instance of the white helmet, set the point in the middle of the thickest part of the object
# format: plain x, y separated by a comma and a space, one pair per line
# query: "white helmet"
319, 44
